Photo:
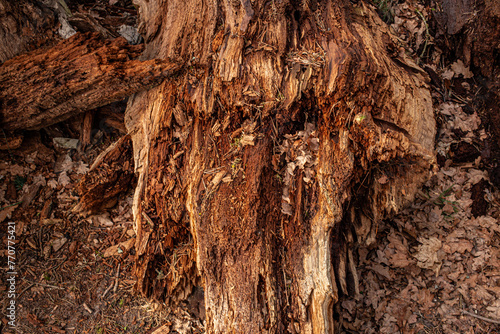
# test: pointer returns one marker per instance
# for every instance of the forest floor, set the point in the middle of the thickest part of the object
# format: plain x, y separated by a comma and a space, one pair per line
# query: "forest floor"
74, 273
434, 269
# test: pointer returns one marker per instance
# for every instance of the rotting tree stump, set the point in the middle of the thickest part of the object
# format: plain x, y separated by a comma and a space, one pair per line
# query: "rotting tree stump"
294, 129
290, 131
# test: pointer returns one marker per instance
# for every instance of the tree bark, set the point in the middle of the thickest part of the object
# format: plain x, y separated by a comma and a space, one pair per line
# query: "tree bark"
295, 128
24, 26
47, 86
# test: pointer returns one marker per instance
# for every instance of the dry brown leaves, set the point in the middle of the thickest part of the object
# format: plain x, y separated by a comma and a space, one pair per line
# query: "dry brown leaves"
435, 268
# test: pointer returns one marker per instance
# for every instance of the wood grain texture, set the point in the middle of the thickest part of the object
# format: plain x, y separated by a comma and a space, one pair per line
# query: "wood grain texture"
47, 86
278, 65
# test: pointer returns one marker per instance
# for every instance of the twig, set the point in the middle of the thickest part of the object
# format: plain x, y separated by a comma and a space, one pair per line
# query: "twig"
150, 222
87, 308
58, 265
45, 285
107, 290
116, 278
25, 289
493, 321
427, 35
8, 206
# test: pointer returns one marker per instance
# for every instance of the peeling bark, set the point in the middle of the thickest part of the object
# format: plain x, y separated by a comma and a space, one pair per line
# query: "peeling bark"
44, 87
209, 150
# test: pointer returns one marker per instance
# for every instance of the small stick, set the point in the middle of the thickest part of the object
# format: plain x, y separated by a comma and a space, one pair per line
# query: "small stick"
58, 265
87, 308
116, 278
148, 219
86, 130
107, 290
493, 321
25, 289
45, 285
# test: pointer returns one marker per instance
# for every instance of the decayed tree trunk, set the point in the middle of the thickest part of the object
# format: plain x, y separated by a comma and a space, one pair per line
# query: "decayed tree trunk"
47, 86
294, 129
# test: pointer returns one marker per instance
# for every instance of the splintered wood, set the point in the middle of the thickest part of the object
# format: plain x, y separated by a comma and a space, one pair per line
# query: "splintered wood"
111, 175
332, 113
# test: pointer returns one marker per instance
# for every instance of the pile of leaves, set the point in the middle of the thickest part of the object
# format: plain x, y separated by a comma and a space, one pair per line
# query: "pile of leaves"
435, 266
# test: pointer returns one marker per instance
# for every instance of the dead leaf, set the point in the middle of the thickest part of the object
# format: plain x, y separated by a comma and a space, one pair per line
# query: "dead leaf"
399, 260
448, 74
448, 209
46, 250
32, 191
495, 289
57, 330
301, 161
52, 183
383, 179
308, 175
476, 175
66, 143
381, 270
449, 108
14, 170
165, 329
217, 178
481, 259
482, 294
290, 167
247, 140
58, 243
286, 208
487, 222
63, 179
425, 299
120, 248
411, 25
101, 220
494, 309
466, 122
459, 68
31, 243
427, 254
82, 168
349, 305
459, 246
7, 212
50, 221
63, 164
20, 227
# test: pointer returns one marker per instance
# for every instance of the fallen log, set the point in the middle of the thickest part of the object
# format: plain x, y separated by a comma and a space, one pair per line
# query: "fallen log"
48, 86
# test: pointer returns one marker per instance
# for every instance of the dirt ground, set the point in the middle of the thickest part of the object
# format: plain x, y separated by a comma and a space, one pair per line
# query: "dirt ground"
70, 279
434, 269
